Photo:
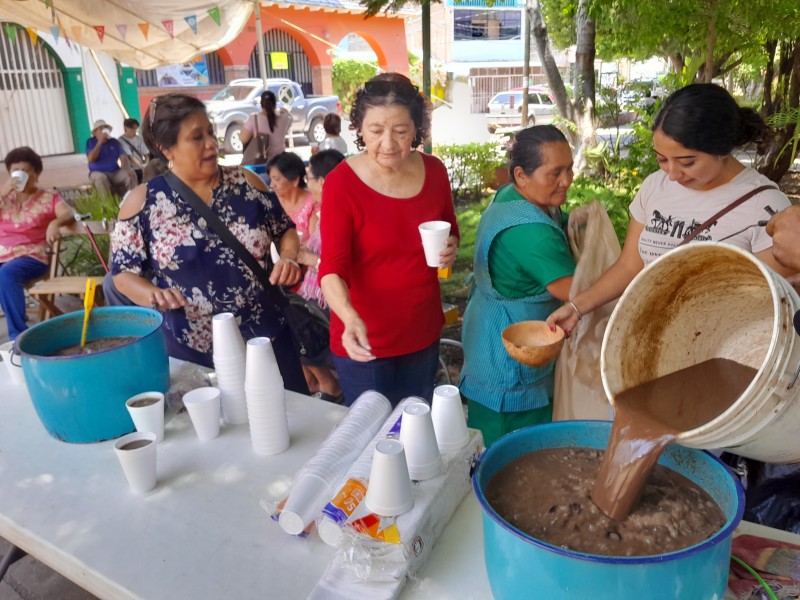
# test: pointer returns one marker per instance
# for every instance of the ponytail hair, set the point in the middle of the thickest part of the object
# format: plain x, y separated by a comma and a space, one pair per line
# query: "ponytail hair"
269, 103
706, 118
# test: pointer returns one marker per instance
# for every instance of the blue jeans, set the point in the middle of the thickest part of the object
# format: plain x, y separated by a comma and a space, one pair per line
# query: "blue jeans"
396, 377
13, 276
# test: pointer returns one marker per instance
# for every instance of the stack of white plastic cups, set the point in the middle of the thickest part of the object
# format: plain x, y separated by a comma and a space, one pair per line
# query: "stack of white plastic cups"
314, 483
266, 402
229, 364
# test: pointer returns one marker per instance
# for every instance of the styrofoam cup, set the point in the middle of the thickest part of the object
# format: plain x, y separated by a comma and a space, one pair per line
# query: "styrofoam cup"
15, 371
147, 411
226, 337
261, 370
308, 496
203, 405
434, 234
419, 439
449, 423
389, 490
21, 179
137, 455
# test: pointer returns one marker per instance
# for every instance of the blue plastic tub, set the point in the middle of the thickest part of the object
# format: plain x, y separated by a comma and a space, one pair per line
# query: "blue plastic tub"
522, 567
82, 398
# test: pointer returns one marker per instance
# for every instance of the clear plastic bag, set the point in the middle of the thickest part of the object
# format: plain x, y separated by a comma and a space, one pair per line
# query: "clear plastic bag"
579, 390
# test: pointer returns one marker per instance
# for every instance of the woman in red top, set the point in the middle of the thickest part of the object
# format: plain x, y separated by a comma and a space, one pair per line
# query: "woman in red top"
30, 218
386, 303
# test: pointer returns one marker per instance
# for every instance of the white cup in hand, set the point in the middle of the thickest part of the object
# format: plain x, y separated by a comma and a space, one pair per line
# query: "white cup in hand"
21, 178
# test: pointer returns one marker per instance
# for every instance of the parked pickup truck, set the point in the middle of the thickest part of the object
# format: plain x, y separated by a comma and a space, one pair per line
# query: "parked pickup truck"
230, 107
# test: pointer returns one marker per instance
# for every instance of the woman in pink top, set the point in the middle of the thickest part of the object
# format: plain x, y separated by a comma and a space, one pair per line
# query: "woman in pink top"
29, 220
287, 174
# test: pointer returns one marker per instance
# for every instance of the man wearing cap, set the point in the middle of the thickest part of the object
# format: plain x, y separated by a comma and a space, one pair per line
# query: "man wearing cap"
109, 166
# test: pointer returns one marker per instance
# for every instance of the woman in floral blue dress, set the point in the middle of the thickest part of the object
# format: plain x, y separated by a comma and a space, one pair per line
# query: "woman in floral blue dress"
165, 256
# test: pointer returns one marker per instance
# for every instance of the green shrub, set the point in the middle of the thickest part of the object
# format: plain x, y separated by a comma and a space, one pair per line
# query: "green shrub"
78, 256
471, 168
348, 76
468, 218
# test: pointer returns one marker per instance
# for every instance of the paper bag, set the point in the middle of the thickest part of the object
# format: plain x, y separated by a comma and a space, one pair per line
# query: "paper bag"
579, 392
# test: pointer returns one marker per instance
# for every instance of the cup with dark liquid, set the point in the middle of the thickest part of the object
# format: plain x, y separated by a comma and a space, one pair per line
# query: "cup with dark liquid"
137, 455
147, 411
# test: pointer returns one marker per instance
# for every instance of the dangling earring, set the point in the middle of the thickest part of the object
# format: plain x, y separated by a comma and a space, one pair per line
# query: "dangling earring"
169, 164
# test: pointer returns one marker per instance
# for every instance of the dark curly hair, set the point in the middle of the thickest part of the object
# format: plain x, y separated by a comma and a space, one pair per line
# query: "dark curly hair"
401, 92
24, 154
706, 118
163, 119
526, 150
290, 166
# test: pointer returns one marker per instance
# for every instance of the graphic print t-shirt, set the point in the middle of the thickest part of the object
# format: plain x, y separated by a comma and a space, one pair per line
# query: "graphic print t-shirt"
670, 212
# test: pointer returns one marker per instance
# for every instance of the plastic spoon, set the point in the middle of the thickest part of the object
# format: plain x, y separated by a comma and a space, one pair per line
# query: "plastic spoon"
88, 303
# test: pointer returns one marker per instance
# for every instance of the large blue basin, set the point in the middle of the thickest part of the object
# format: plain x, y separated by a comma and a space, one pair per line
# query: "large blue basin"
522, 567
82, 398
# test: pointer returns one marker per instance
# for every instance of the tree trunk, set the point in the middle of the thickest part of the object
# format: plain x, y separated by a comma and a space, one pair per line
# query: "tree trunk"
779, 156
584, 94
711, 39
554, 80
769, 72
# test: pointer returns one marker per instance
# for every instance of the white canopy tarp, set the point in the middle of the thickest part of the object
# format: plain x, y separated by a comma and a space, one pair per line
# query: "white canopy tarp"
136, 32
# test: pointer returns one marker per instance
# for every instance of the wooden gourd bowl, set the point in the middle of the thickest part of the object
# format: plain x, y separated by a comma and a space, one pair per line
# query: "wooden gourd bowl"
532, 343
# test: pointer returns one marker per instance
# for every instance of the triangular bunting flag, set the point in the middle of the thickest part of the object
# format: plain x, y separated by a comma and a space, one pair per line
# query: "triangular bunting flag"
76, 33
191, 20
34, 36
214, 14
123, 31
47, 3
101, 32
55, 31
169, 25
11, 32
145, 27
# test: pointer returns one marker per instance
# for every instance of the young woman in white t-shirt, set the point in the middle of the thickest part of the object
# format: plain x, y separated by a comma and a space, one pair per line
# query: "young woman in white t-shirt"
694, 135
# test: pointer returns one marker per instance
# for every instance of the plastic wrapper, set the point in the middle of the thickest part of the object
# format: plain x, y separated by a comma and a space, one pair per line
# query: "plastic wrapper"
579, 392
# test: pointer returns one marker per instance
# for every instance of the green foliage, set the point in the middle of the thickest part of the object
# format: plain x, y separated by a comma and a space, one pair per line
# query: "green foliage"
348, 76
616, 202
785, 119
78, 257
456, 287
99, 206
471, 168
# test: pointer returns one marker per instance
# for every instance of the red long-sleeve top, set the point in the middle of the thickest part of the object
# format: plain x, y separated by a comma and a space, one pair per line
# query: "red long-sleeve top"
372, 242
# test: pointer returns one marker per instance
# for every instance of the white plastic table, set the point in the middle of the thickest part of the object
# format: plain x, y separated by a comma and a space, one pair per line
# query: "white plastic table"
201, 533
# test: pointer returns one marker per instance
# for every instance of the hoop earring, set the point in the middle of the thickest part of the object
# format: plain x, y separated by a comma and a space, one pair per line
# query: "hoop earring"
169, 164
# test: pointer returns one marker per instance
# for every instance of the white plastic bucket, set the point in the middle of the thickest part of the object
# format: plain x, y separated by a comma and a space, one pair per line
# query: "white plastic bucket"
709, 300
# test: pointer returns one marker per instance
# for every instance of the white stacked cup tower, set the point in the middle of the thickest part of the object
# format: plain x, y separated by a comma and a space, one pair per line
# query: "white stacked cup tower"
266, 402
229, 364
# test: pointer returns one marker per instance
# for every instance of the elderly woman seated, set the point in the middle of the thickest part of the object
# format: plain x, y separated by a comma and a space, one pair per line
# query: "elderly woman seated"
30, 218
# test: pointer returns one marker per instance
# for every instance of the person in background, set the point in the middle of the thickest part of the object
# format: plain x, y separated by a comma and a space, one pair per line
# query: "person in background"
30, 218
269, 121
332, 123
287, 175
385, 300
694, 135
134, 147
318, 372
523, 271
109, 167
166, 257
784, 228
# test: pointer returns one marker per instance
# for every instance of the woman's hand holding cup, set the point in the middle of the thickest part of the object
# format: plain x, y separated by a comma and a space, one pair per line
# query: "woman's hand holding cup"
448, 256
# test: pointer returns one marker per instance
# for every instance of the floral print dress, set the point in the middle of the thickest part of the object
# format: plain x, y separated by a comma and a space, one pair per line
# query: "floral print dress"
169, 243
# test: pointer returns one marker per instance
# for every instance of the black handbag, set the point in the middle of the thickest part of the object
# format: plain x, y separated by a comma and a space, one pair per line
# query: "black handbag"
310, 329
